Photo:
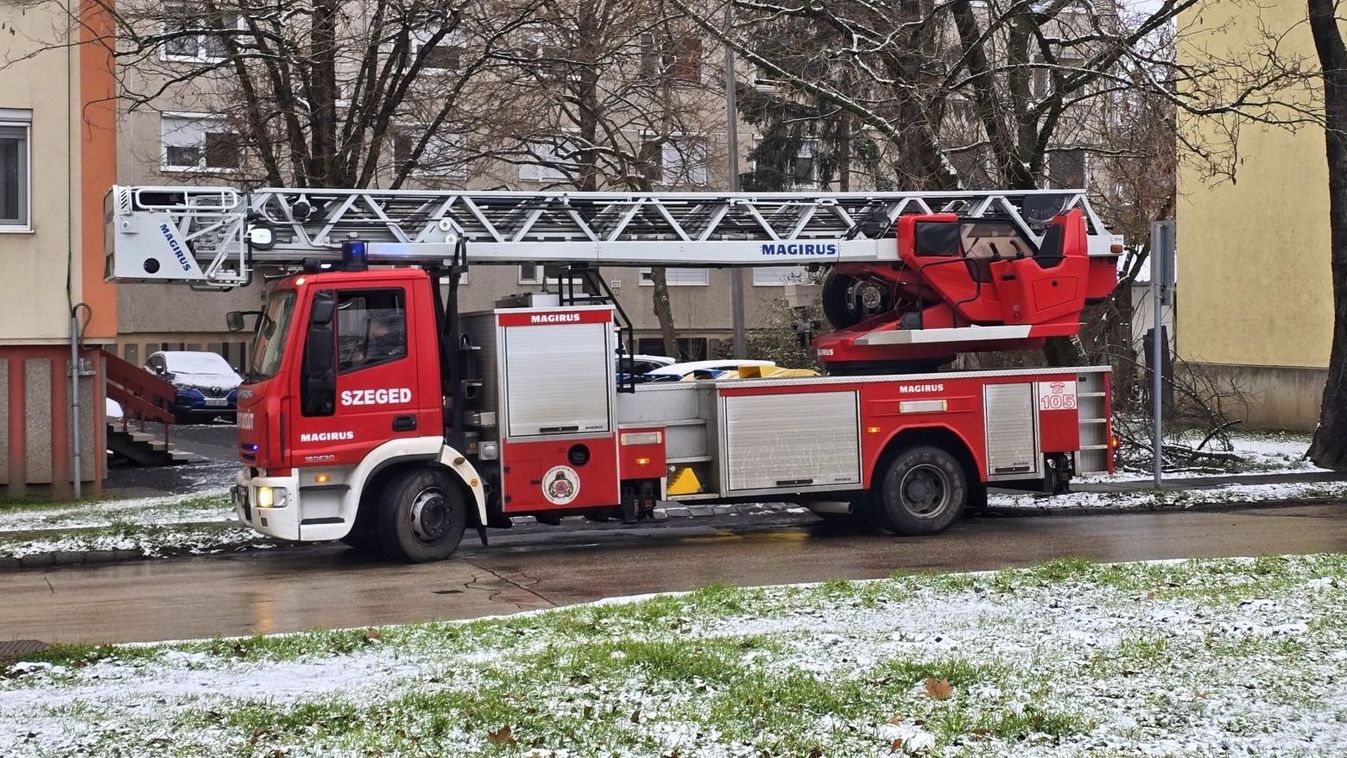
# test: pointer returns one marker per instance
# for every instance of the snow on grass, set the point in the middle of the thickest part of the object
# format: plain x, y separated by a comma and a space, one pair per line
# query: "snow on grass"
207, 505
150, 541
1184, 498
1209, 657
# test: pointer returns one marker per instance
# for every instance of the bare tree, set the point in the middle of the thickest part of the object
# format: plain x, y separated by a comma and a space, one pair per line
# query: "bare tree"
1329, 448
337, 93
610, 94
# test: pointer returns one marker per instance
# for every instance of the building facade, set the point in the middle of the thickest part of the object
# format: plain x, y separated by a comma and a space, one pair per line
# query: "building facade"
1254, 283
57, 145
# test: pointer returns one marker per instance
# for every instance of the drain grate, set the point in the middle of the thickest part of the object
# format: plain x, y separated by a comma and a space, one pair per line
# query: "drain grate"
14, 649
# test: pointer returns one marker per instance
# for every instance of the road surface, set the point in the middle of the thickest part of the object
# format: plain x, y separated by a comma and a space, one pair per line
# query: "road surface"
538, 567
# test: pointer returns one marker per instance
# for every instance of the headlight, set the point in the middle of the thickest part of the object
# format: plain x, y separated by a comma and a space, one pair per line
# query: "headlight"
270, 497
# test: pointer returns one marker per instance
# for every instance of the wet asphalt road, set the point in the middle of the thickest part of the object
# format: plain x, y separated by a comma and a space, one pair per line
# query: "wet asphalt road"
537, 567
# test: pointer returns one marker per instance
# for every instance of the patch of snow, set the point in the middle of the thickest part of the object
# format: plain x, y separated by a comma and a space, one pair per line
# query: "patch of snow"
142, 511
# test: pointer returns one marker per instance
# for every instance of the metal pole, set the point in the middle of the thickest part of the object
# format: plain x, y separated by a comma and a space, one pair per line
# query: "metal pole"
76, 462
732, 166
1162, 278
1157, 362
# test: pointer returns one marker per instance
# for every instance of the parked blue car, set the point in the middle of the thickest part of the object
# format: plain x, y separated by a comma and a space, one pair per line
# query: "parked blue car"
207, 386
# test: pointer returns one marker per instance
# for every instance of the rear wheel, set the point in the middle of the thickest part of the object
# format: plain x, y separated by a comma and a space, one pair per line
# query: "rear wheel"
421, 516
922, 491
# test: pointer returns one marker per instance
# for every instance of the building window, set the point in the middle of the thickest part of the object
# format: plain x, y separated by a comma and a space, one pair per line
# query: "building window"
803, 166
443, 155
444, 57
680, 277
197, 143
188, 36
682, 161
1066, 168
548, 162
680, 59
777, 276
544, 273
15, 180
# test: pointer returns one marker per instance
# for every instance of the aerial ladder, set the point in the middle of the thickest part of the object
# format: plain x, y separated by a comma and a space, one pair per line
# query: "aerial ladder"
910, 278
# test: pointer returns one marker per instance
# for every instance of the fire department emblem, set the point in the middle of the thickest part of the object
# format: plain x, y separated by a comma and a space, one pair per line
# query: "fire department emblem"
561, 485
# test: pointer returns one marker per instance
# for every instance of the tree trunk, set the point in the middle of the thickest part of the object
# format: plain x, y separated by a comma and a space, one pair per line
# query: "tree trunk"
664, 311
1329, 448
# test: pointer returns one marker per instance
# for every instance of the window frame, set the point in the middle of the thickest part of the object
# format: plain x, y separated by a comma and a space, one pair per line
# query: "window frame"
541, 281
644, 272
200, 167
202, 49
778, 281
24, 224
450, 41
400, 295
458, 172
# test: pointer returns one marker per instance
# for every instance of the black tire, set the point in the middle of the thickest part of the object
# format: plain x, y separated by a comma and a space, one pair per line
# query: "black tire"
182, 419
421, 516
363, 536
922, 491
977, 498
841, 297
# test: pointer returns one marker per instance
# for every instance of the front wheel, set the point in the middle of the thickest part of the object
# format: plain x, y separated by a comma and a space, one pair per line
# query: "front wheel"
421, 516
922, 491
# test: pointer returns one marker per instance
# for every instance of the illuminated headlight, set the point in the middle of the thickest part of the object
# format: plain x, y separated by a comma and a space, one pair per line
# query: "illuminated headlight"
488, 451
270, 497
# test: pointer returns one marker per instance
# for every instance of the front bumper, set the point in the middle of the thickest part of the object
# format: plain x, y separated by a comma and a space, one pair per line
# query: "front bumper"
281, 518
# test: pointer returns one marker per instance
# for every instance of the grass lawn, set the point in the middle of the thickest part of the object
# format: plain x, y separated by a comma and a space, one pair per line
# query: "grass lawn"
1070, 658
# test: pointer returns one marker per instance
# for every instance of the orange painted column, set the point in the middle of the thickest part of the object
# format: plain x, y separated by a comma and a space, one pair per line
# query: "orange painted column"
98, 159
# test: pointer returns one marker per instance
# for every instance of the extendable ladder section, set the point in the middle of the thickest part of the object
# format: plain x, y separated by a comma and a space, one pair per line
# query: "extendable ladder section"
217, 236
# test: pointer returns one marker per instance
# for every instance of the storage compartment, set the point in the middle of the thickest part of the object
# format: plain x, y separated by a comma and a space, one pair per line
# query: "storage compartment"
559, 379
799, 440
1012, 431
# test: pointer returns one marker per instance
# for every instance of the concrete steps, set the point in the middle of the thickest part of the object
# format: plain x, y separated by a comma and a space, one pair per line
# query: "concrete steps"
144, 449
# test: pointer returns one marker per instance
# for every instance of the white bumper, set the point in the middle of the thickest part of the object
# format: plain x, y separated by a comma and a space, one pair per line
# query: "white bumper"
281, 520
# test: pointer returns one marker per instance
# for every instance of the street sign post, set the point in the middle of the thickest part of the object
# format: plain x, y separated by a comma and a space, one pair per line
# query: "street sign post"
1162, 283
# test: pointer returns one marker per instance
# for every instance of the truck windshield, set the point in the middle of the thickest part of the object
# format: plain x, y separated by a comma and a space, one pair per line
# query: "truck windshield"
269, 342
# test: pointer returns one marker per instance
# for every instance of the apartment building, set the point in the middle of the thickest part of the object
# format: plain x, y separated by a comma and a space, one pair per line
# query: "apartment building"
57, 140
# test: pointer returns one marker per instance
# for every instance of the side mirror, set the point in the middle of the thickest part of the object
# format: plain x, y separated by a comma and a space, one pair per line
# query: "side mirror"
324, 307
235, 320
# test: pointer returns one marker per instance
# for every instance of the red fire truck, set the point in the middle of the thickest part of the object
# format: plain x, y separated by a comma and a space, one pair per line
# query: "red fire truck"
376, 413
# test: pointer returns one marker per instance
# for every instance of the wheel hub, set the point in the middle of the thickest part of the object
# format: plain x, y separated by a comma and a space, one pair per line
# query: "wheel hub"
430, 515
925, 491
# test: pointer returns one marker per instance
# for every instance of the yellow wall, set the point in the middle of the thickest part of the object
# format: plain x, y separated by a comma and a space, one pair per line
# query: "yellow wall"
1254, 286
32, 287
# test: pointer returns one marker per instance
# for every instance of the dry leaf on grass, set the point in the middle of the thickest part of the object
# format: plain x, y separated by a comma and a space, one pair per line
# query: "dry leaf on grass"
502, 736
938, 689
